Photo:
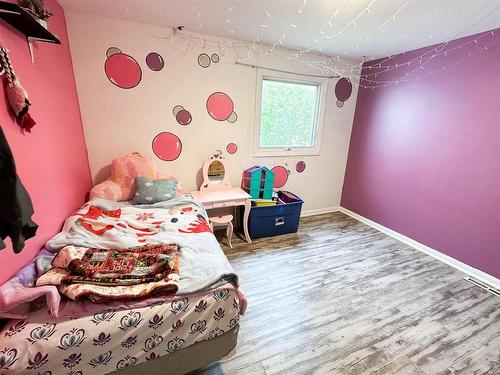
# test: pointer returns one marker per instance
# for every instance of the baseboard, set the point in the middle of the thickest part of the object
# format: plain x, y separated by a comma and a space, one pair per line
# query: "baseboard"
471, 271
319, 211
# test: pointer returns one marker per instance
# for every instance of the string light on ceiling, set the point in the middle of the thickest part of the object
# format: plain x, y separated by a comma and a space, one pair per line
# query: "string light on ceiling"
369, 73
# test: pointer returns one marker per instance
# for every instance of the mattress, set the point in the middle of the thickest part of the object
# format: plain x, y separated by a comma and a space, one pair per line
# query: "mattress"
111, 340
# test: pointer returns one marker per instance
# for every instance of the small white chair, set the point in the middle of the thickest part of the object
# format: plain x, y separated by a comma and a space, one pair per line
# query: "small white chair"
224, 221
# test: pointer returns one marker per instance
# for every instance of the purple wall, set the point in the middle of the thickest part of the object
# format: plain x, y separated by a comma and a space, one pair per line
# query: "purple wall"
424, 156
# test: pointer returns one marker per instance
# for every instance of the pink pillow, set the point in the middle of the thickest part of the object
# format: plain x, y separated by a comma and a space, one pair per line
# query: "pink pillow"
120, 184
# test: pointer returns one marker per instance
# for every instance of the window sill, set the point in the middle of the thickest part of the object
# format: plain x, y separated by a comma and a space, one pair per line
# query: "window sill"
284, 153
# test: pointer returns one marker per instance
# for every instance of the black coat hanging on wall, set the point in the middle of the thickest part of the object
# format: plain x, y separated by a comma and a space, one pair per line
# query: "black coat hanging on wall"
15, 203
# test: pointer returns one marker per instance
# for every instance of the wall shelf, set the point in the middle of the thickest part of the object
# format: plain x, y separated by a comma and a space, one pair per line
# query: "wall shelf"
21, 20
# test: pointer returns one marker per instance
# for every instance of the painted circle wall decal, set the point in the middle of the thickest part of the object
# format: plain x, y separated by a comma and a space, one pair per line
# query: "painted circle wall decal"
123, 71
203, 60
232, 117
167, 146
154, 61
343, 89
183, 117
176, 109
300, 166
220, 106
112, 51
280, 176
215, 58
231, 148
340, 103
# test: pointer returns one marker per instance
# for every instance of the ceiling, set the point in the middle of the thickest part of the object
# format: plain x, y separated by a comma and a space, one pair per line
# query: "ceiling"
347, 28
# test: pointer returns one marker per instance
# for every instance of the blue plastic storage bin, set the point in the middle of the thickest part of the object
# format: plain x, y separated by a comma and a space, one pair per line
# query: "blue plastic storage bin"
274, 220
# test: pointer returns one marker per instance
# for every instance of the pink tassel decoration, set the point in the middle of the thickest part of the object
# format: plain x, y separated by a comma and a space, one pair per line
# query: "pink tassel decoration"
16, 94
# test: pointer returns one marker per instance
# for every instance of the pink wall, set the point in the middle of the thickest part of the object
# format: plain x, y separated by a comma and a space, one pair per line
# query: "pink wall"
424, 155
52, 160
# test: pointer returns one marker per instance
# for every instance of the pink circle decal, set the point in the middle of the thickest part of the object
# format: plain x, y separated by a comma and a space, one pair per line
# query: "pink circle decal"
280, 176
167, 146
343, 89
154, 61
123, 71
231, 148
219, 106
183, 117
300, 166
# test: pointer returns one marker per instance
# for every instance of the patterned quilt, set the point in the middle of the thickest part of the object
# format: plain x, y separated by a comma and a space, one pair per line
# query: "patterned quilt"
104, 274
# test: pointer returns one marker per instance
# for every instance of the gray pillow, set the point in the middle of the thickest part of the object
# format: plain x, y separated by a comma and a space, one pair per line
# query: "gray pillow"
149, 190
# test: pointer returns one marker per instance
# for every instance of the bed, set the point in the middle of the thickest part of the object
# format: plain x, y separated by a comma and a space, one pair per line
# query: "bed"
112, 340
158, 333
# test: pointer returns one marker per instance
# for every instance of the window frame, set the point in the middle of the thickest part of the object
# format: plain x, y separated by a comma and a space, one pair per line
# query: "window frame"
314, 150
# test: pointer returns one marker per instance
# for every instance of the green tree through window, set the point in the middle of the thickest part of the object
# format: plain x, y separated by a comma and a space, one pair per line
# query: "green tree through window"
288, 114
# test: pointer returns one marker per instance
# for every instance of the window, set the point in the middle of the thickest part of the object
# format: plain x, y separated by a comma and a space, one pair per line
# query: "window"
289, 115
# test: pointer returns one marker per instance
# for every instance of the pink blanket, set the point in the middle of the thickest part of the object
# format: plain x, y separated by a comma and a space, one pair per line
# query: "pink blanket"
17, 293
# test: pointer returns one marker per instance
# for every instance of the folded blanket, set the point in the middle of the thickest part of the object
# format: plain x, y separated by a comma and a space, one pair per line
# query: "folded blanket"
135, 265
114, 273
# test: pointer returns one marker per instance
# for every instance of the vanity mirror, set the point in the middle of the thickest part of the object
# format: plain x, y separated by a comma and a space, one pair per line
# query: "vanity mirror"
215, 173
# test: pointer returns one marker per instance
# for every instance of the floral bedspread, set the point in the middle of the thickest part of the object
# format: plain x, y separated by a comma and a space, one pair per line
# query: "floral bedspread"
111, 340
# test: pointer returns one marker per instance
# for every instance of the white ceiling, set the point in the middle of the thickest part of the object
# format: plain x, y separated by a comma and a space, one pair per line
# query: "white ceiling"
353, 31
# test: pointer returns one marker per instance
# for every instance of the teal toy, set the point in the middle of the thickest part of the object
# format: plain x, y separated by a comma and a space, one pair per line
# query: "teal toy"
258, 182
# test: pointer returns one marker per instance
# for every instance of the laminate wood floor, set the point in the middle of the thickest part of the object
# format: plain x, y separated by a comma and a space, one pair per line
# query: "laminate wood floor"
339, 297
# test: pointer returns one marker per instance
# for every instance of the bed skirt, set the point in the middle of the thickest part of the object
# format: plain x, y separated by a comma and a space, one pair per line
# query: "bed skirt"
191, 358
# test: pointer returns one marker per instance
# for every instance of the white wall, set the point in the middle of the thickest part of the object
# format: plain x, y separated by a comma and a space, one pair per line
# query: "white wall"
118, 121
